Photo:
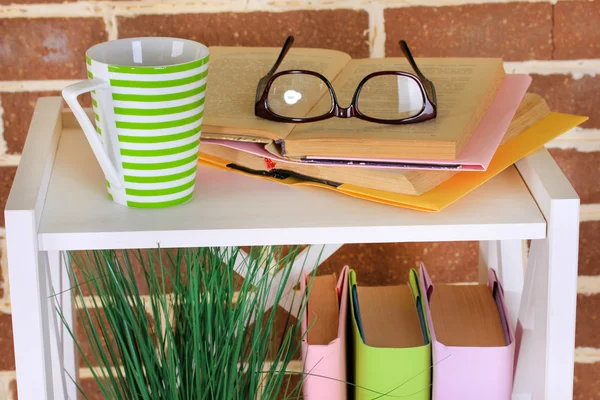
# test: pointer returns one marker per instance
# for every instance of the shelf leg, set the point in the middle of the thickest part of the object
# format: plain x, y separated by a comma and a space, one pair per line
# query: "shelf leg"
306, 261
507, 258
65, 359
488, 258
546, 327
28, 274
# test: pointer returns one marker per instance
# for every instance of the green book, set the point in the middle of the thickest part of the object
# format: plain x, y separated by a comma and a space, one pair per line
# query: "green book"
392, 350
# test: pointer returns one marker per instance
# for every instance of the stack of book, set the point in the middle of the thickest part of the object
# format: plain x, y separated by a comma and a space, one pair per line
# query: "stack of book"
409, 341
485, 122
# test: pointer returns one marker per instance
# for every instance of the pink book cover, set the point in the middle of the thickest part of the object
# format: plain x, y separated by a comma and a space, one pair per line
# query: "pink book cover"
471, 373
476, 155
324, 366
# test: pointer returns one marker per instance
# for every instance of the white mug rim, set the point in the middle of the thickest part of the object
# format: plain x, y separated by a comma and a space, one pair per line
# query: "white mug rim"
110, 43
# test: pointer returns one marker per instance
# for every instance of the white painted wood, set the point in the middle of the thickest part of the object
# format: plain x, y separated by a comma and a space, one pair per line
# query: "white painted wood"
29, 302
306, 262
65, 367
241, 260
545, 180
55, 325
31, 181
546, 328
27, 266
511, 273
70, 354
232, 209
488, 258
506, 258
60, 204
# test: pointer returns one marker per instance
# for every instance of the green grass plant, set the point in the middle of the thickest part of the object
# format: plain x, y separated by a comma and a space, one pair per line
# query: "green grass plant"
199, 332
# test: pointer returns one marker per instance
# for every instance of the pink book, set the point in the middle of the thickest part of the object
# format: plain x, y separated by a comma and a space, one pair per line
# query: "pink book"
471, 373
476, 155
324, 366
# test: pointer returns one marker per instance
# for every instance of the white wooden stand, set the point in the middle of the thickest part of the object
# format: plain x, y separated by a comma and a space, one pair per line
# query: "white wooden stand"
59, 202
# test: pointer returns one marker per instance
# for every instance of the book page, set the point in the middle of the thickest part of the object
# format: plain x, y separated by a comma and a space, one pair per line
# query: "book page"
322, 310
389, 317
233, 76
466, 315
460, 83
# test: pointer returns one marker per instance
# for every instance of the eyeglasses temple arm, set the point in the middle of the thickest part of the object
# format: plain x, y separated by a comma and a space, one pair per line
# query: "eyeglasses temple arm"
284, 50
413, 64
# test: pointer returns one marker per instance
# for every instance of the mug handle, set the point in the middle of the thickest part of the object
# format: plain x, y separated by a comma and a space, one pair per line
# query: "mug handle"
70, 94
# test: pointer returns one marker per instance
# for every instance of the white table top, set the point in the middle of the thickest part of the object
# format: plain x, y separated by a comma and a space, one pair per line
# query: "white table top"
229, 208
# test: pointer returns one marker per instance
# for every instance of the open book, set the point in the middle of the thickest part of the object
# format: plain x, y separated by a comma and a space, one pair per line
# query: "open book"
245, 157
465, 88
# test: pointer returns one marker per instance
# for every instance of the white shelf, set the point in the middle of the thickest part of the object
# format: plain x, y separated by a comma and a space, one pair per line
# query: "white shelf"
233, 209
59, 202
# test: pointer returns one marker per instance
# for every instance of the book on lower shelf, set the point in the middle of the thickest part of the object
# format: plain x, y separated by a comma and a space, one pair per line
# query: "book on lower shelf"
324, 337
415, 341
391, 346
472, 341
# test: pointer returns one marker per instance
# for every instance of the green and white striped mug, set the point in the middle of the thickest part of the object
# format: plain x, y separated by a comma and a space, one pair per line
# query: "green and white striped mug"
148, 101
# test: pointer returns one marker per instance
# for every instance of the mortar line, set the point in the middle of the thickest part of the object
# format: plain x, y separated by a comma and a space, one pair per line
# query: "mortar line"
587, 355
576, 68
5, 378
3, 145
588, 285
376, 31
589, 212
110, 21
90, 9
584, 140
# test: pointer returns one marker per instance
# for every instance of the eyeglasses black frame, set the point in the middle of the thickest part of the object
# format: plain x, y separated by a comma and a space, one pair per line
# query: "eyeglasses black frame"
262, 109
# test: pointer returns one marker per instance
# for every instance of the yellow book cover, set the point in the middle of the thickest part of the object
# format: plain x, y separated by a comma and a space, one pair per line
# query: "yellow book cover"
440, 197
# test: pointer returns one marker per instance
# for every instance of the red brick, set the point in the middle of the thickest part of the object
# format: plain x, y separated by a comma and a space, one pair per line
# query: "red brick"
388, 264
81, 336
7, 352
576, 33
98, 317
291, 388
589, 248
568, 95
333, 29
586, 384
588, 321
18, 110
47, 48
13, 389
283, 322
90, 388
1, 275
514, 31
7, 175
82, 263
582, 170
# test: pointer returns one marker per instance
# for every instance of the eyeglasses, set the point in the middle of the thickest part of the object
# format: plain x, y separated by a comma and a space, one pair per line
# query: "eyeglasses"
387, 97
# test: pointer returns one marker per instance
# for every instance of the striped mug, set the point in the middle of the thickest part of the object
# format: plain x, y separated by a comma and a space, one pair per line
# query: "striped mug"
148, 102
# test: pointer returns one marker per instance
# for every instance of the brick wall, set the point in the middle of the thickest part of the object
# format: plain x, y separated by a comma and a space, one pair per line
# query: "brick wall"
558, 42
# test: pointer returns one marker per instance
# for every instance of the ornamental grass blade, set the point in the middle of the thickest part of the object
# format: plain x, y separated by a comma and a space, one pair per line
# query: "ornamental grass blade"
177, 324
